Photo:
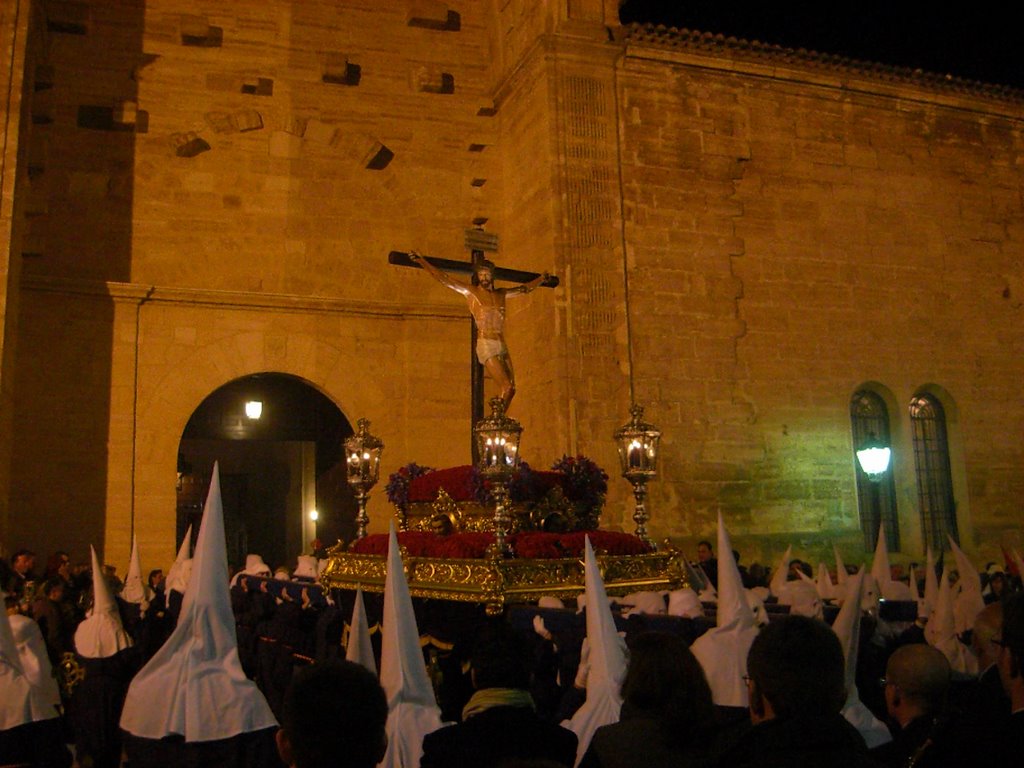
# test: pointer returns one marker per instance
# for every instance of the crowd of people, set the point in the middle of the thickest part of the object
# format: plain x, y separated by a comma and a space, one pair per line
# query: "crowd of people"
770, 669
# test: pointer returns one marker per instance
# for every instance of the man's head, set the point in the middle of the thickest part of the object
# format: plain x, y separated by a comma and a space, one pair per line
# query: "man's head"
916, 682
156, 579
704, 551
795, 667
483, 274
498, 659
23, 561
333, 714
986, 627
53, 588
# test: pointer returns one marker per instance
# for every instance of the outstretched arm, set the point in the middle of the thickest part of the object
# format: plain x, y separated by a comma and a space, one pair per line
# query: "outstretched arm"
527, 287
442, 277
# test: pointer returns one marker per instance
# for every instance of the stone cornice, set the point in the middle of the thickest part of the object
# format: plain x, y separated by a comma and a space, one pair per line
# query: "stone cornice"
755, 58
137, 293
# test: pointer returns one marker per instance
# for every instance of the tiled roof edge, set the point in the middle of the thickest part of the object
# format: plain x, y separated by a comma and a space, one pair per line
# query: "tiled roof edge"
695, 40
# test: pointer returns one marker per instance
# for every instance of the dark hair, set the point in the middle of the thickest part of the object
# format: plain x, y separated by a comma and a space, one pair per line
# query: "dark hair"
153, 573
334, 713
53, 583
665, 679
498, 659
705, 543
797, 664
21, 553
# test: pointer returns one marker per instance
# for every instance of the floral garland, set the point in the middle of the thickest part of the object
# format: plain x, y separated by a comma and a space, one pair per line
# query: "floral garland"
585, 482
398, 483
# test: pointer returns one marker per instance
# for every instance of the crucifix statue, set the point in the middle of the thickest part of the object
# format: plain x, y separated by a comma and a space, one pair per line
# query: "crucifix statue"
486, 305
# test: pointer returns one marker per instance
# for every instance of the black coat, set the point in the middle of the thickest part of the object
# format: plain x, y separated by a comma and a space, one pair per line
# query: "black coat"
497, 734
827, 741
642, 742
256, 749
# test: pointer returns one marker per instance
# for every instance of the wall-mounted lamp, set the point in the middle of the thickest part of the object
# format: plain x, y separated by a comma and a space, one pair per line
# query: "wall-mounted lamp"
254, 409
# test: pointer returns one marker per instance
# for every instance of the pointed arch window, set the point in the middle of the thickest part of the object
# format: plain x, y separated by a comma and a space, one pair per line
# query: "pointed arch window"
869, 419
934, 478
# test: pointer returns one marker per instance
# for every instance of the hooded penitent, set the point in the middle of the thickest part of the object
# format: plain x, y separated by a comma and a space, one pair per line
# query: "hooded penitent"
412, 707
880, 569
823, 583
607, 661
254, 566
359, 648
21, 702
780, 577
841, 575
305, 568
968, 601
35, 663
722, 650
181, 570
847, 629
684, 602
135, 590
101, 634
940, 631
194, 685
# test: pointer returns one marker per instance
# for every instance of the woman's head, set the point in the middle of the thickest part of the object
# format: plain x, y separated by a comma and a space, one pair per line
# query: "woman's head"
666, 680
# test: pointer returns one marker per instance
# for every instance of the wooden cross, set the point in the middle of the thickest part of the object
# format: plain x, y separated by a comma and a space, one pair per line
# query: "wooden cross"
478, 242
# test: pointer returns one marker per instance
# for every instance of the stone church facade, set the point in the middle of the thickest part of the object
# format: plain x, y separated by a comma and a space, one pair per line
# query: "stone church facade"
746, 237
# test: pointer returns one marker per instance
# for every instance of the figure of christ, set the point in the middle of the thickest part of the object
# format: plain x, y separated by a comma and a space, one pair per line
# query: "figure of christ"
487, 306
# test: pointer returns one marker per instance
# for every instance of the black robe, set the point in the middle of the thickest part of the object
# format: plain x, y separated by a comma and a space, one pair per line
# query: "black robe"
257, 749
96, 703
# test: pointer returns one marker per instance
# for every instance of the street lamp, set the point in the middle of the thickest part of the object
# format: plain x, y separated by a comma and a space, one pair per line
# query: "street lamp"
638, 456
362, 451
497, 443
873, 457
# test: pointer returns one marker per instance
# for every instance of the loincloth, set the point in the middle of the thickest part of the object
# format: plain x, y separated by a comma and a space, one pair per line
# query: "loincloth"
488, 348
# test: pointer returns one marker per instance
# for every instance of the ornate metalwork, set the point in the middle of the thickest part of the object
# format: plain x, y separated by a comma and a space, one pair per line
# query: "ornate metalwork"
497, 581
363, 452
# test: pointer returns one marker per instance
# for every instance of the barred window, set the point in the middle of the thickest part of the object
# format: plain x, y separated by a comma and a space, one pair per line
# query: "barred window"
876, 499
934, 478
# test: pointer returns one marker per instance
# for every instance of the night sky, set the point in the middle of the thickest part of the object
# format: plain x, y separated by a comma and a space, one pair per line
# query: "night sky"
976, 41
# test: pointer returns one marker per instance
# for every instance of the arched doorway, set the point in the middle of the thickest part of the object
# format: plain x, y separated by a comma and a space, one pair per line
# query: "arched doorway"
279, 461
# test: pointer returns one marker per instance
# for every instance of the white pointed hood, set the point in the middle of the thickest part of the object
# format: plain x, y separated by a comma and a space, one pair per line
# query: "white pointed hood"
198, 666
135, 590
35, 664
881, 571
915, 591
607, 660
940, 631
101, 634
931, 585
722, 650
781, 575
20, 701
178, 576
359, 648
847, 629
826, 589
968, 602
412, 707
802, 597
841, 574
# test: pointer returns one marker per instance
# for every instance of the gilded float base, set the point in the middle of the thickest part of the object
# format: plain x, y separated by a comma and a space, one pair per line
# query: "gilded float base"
498, 582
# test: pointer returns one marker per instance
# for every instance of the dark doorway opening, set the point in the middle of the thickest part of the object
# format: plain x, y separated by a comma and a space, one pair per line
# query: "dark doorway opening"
279, 461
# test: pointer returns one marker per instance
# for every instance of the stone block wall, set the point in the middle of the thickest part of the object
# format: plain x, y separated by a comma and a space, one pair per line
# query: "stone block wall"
792, 242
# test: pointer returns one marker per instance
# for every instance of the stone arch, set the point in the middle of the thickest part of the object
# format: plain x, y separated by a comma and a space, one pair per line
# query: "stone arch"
169, 393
